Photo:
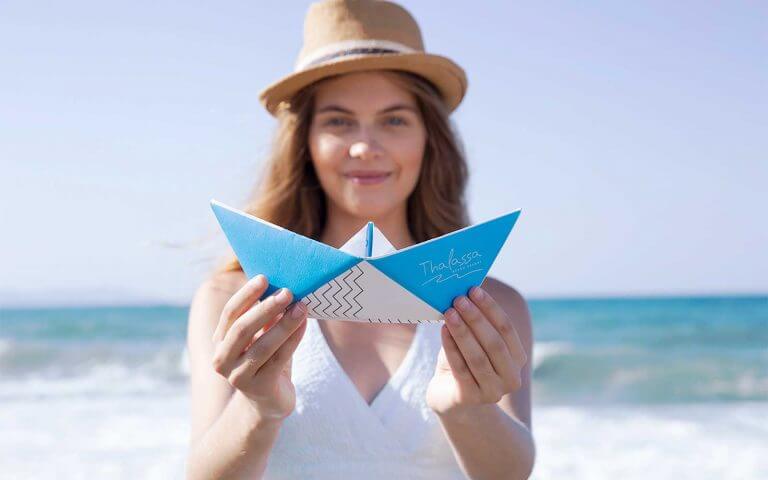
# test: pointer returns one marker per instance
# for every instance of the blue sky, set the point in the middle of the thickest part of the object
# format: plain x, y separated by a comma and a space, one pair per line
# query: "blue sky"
633, 135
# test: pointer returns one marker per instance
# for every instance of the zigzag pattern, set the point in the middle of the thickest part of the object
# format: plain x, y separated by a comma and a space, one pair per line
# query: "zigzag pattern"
337, 299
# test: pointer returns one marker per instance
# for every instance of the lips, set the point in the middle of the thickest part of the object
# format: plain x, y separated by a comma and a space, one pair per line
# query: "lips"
367, 177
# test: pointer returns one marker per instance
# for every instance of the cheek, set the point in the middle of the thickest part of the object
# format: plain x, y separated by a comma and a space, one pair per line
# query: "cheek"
410, 151
327, 152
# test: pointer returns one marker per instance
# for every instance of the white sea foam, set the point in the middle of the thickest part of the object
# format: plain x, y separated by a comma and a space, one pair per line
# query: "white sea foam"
114, 404
85, 436
544, 350
723, 441
184, 362
130, 435
67, 360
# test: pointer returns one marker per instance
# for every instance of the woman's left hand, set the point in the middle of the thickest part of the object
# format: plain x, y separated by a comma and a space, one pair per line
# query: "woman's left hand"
482, 356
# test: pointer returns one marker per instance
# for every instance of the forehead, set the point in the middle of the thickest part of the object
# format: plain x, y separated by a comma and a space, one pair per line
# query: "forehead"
362, 91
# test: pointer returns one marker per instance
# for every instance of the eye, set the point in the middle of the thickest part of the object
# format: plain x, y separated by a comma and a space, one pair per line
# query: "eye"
337, 122
397, 121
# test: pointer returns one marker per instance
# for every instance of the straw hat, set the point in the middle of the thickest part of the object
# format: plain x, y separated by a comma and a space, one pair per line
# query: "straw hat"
343, 36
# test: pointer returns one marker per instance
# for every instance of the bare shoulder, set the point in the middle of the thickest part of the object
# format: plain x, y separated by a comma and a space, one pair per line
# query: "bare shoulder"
210, 391
223, 283
211, 297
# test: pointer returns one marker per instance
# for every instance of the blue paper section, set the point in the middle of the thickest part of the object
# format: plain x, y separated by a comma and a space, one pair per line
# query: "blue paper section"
369, 239
443, 268
288, 259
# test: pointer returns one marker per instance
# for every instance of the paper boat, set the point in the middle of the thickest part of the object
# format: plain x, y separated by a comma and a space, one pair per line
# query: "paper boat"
367, 279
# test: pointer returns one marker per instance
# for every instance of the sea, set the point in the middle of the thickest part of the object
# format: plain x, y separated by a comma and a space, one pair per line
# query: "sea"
623, 388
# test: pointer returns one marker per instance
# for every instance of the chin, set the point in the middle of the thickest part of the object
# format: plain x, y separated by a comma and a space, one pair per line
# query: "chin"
369, 210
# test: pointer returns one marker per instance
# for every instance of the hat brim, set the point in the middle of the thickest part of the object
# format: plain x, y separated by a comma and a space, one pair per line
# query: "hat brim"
449, 78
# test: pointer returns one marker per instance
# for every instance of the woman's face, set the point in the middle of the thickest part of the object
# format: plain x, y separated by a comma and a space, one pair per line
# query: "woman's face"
367, 142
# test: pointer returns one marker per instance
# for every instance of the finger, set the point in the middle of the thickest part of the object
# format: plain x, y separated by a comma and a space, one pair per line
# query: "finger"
283, 355
266, 345
241, 301
459, 367
242, 331
491, 341
263, 329
473, 353
501, 321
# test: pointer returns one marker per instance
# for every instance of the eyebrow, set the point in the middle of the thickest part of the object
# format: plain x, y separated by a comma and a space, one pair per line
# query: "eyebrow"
392, 108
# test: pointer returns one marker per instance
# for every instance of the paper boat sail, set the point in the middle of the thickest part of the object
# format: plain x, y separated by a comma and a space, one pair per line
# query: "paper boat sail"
367, 279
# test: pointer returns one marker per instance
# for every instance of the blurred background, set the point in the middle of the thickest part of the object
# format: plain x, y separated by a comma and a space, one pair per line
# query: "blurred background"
633, 135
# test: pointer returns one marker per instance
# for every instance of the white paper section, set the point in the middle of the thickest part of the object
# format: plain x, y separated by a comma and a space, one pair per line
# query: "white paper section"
364, 294
356, 244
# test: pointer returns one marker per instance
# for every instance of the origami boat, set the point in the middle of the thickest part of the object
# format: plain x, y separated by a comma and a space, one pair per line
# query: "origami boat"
367, 279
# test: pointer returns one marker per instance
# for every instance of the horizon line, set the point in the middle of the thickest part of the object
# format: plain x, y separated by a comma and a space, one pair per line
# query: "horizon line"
529, 298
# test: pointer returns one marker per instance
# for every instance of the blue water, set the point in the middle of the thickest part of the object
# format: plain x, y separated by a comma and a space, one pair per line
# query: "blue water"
638, 351
677, 385
710, 349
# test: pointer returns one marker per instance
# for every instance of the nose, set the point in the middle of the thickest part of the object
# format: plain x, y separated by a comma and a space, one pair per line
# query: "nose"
365, 148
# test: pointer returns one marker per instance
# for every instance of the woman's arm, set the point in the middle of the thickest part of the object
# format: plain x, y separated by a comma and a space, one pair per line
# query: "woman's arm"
489, 443
229, 438
237, 445
494, 440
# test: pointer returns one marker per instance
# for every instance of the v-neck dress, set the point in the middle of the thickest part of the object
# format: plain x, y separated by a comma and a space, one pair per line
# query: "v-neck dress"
334, 434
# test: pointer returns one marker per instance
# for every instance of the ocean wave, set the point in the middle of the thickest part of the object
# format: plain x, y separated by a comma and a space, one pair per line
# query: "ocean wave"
5, 346
629, 373
563, 372
57, 360
542, 351
104, 380
708, 441
148, 438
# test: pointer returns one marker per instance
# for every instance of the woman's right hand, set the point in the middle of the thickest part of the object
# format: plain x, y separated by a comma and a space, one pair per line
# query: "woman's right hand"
254, 344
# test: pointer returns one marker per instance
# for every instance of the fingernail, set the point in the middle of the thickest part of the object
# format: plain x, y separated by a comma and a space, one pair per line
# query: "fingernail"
451, 316
282, 294
478, 293
298, 310
463, 302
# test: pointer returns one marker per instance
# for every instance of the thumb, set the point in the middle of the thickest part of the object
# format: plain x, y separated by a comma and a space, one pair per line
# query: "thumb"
288, 369
299, 333
442, 362
450, 358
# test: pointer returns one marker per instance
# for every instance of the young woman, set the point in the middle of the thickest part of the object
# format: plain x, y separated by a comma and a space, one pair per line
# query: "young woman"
363, 134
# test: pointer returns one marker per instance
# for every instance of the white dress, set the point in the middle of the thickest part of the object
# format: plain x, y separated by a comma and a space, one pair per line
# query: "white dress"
334, 434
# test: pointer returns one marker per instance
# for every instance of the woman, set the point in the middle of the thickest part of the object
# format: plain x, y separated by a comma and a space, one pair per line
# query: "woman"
363, 135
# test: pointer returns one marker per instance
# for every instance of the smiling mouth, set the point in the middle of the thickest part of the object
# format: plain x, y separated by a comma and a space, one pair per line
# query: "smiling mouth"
367, 178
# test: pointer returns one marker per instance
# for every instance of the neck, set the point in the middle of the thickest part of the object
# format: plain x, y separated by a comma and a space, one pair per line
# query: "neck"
341, 225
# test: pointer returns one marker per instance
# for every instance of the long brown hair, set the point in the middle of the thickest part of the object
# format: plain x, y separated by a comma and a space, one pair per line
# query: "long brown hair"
290, 194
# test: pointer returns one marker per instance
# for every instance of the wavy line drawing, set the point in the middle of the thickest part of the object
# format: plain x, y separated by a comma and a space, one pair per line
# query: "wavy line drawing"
441, 279
338, 298
312, 303
342, 298
354, 299
330, 296
321, 298
354, 291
